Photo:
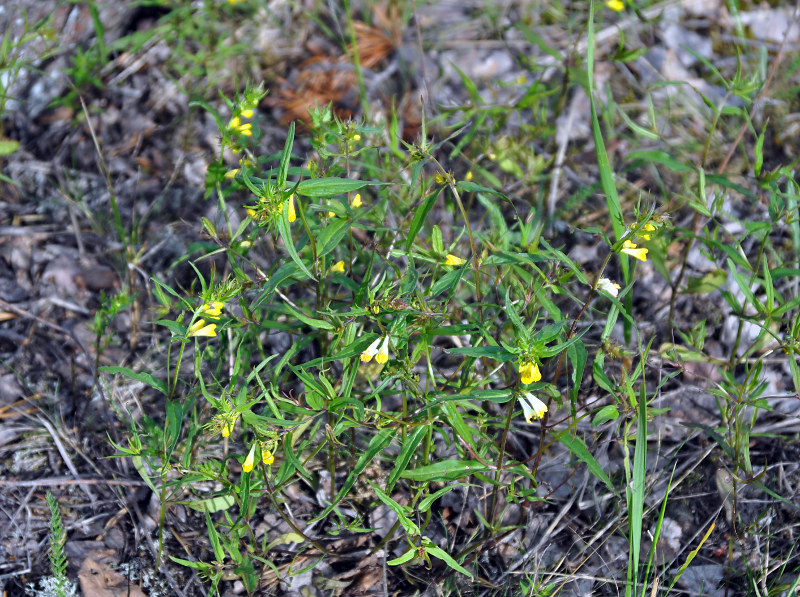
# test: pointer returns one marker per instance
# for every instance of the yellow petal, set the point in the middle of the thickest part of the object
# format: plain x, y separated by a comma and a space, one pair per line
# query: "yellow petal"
356, 201
250, 460
338, 267
631, 249
453, 260
616, 5
529, 372
199, 328
267, 457
292, 214
383, 353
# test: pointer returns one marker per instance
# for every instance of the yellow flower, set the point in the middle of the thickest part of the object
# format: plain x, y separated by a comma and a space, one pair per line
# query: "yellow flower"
227, 425
645, 230
383, 353
199, 328
250, 460
616, 5
248, 113
338, 267
292, 214
266, 456
232, 173
371, 351
214, 308
608, 286
532, 407
631, 249
356, 201
356, 137
236, 126
453, 260
529, 372
439, 178
251, 212
468, 176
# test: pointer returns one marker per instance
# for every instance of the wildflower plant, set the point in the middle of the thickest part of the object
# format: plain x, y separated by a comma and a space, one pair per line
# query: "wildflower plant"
353, 333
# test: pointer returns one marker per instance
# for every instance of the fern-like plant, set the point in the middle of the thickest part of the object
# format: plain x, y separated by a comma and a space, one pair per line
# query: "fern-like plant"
60, 584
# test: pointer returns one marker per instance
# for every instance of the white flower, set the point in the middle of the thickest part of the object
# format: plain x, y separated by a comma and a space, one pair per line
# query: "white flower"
608, 286
532, 407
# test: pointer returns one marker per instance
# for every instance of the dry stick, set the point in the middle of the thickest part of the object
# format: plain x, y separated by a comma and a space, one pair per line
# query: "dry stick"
61, 481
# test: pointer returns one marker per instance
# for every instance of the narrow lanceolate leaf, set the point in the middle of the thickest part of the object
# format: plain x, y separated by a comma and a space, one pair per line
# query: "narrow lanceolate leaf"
378, 443
445, 470
143, 376
325, 187
578, 448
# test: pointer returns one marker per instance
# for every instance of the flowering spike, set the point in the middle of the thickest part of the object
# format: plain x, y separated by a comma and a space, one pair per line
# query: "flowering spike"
532, 407
631, 249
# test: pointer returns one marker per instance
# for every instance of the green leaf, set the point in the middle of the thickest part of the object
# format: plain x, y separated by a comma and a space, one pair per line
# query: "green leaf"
445, 557
420, 216
578, 448
402, 460
209, 505
314, 323
605, 414
498, 353
378, 443
325, 187
7, 146
445, 470
402, 512
144, 377
288, 242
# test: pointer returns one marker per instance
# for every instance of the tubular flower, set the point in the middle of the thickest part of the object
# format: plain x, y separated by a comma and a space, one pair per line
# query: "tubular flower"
266, 455
383, 353
616, 5
227, 426
529, 372
631, 249
338, 267
532, 407
371, 351
199, 328
237, 126
292, 214
250, 460
232, 173
453, 260
247, 112
213, 309
646, 230
608, 286
356, 202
